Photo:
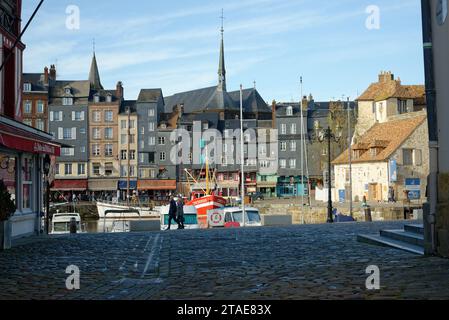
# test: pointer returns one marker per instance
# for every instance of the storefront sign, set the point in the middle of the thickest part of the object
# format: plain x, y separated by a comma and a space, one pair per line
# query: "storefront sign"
413, 184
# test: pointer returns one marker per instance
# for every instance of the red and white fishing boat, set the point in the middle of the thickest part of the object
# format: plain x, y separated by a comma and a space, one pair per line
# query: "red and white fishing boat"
203, 198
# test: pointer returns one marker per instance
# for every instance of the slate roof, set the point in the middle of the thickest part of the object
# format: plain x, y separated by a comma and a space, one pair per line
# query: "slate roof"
104, 93
389, 136
149, 95
79, 88
131, 104
94, 75
213, 99
36, 81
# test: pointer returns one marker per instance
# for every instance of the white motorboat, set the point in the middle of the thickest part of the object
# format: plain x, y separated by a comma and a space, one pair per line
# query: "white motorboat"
122, 211
60, 223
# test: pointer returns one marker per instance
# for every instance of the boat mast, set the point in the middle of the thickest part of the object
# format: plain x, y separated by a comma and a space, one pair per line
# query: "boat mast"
302, 152
207, 174
242, 156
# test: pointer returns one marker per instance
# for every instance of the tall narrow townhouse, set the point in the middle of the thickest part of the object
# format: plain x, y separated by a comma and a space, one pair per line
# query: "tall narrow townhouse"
68, 104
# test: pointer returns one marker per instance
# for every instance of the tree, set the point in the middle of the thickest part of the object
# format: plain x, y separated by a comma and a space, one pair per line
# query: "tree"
7, 205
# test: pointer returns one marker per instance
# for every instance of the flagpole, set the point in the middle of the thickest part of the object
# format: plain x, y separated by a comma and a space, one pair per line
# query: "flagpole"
242, 156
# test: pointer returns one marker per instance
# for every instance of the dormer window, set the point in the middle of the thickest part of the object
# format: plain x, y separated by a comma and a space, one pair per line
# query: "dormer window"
27, 87
96, 98
290, 111
68, 91
109, 98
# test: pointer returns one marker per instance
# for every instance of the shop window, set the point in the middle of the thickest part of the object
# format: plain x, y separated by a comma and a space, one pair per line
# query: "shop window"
27, 181
8, 173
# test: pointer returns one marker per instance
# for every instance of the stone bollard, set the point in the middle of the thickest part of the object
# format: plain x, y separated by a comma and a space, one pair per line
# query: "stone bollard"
73, 226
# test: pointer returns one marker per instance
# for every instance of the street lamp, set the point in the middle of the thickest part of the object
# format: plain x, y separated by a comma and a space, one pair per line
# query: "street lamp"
327, 135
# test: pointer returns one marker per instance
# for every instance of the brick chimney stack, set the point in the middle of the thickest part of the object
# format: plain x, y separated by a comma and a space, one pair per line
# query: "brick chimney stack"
386, 76
46, 76
273, 114
305, 103
120, 92
53, 72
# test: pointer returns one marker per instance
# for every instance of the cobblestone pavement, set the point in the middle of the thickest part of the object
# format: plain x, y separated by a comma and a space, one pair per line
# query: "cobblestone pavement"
298, 262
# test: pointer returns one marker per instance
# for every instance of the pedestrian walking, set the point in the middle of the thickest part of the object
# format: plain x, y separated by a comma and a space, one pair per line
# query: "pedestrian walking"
180, 212
172, 212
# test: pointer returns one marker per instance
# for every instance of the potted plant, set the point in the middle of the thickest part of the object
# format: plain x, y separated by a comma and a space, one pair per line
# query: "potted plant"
7, 209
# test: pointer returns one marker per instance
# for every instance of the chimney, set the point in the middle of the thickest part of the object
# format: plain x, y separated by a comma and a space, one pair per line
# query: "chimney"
46, 76
53, 72
305, 103
120, 91
386, 76
273, 114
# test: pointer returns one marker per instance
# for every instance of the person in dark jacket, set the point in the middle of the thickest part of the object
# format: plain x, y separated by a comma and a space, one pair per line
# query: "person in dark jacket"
180, 212
172, 212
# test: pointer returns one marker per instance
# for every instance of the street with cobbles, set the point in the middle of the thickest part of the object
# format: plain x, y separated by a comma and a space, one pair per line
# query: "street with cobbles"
296, 262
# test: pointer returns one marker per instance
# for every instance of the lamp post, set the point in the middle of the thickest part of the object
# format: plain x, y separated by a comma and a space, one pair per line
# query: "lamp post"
322, 136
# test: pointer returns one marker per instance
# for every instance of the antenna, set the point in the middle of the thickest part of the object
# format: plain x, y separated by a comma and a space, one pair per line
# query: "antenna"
255, 84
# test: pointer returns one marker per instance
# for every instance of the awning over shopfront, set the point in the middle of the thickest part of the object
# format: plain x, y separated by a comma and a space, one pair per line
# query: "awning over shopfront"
70, 185
158, 185
123, 184
103, 185
16, 136
266, 184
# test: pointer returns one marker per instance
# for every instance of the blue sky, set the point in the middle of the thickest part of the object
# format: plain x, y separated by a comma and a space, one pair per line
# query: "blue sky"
174, 44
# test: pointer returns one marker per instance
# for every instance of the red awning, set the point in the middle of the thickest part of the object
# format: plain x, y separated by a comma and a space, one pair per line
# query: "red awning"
20, 139
70, 185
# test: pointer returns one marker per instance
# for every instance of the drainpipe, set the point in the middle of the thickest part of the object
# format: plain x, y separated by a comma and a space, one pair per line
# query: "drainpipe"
432, 186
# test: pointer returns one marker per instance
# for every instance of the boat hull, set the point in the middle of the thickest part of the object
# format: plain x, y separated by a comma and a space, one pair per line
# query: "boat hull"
203, 205
144, 212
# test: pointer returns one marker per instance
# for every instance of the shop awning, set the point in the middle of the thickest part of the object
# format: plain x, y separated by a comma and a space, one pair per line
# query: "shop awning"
158, 185
103, 185
123, 184
70, 185
266, 184
16, 136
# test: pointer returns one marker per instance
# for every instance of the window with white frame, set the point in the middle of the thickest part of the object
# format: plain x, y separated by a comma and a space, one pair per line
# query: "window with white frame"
142, 130
96, 116
151, 112
151, 127
108, 150
152, 141
123, 124
153, 174
123, 155
292, 163
142, 173
96, 133
141, 157
68, 169
96, 150
67, 134
283, 128
108, 133
40, 124
27, 107
123, 139
132, 154
83, 149
132, 138
27, 87
67, 101
109, 98
132, 124
78, 115
40, 106
56, 116
283, 145
68, 152
162, 156
293, 146
283, 163
81, 169
293, 128
289, 111
96, 169
161, 141
123, 171
108, 116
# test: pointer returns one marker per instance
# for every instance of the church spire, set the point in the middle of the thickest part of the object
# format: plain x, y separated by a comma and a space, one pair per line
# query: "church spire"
221, 68
94, 75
